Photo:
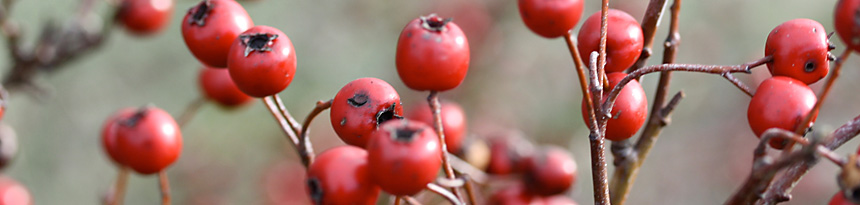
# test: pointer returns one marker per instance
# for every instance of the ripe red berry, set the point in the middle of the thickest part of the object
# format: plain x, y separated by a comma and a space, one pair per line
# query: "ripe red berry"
624, 39
145, 16
217, 86
340, 176
262, 61
507, 152
109, 134
780, 102
550, 19
515, 194
839, 199
550, 171
846, 23
800, 50
360, 107
210, 27
404, 156
629, 112
432, 54
453, 122
148, 140
13, 193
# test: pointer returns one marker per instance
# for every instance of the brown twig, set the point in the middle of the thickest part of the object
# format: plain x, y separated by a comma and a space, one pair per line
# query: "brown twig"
295, 125
596, 138
435, 107
649, 29
190, 111
627, 167
453, 199
285, 126
119, 187
464, 167
583, 84
712, 69
308, 149
765, 169
410, 200
164, 185
396, 200
470, 189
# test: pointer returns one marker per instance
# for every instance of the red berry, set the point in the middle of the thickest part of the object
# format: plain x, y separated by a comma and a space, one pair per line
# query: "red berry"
360, 107
839, 199
780, 102
145, 16
217, 86
147, 141
550, 18
628, 113
13, 193
846, 23
262, 61
624, 39
549, 172
210, 27
453, 122
404, 156
800, 50
515, 194
109, 134
506, 153
432, 54
340, 176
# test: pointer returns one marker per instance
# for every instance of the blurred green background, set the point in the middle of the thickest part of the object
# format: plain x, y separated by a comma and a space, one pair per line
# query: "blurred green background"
517, 80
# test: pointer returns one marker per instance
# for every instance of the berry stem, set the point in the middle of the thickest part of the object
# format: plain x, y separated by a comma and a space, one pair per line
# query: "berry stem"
295, 125
653, 14
435, 107
410, 200
119, 187
580, 73
164, 185
461, 166
828, 85
396, 200
303, 135
190, 111
597, 137
450, 196
291, 135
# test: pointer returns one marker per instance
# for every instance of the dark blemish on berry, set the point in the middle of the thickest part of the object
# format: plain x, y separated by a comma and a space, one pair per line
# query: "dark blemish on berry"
316, 190
343, 121
435, 23
358, 100
405, 134
200, 12
408, 34
134, 119
809, 66
257, 42
387, 114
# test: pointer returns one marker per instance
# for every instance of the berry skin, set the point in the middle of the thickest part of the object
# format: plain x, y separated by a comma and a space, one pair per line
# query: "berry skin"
549, 172
845, 20
360, 107
839, 199
217, 86
800, 50
432, 54
262, 61
147, 141
13, 193
453, 122
109, 134
210, 27
144, 17
624, 39
629, 112
515, 194
550, 18
780, 102
340, 176
404, 156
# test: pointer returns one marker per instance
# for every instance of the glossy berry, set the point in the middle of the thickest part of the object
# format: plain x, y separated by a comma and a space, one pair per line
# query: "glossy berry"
145, 16
839, 199
217, 86
550, 18
453, 122
210, 27
780, 102
340, 175
845, 19
109, 134
629, 112
8, 145
404, 156
13, 193
515, 194
800, 50
550, 171
262, 61
432, 54
361, 106
624, 39
147, 141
